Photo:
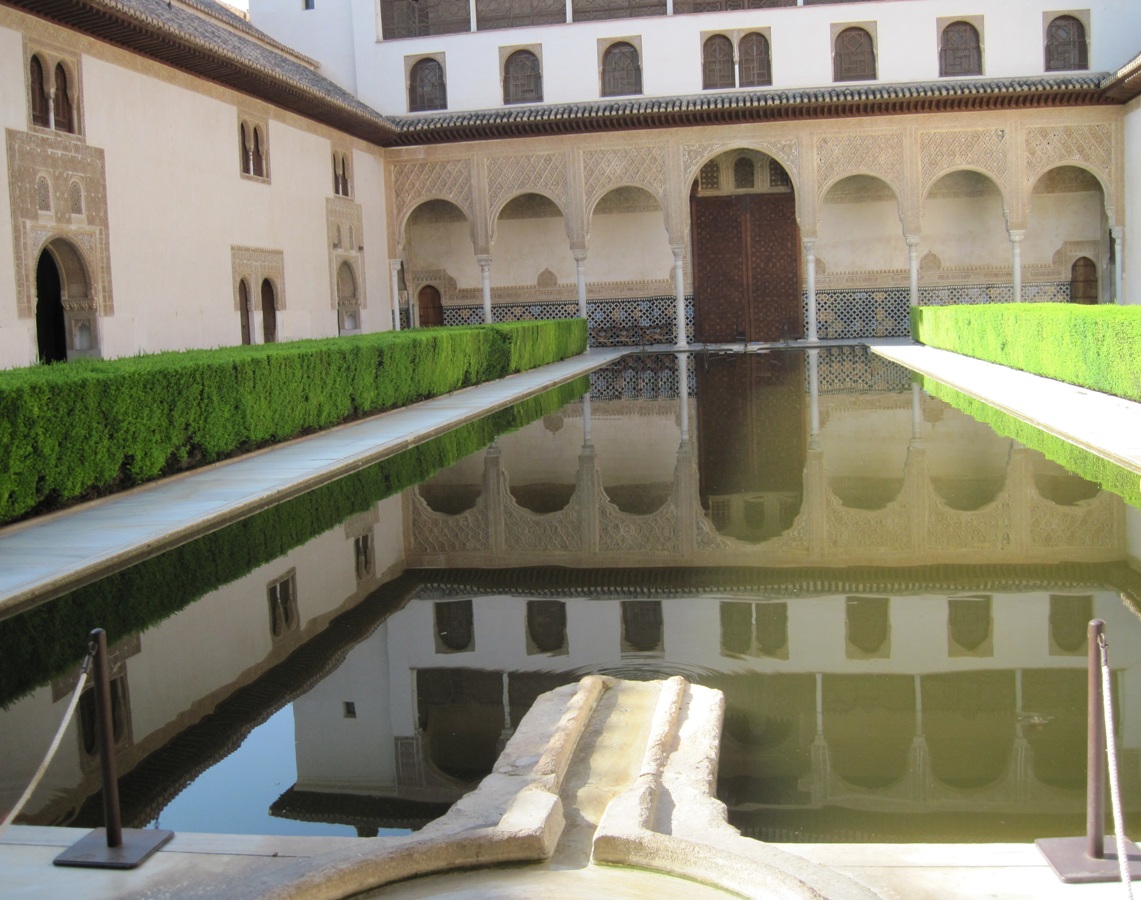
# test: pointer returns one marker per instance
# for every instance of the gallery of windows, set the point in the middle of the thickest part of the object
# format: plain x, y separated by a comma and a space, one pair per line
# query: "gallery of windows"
253, 148
342, 186
53, 93
746, 172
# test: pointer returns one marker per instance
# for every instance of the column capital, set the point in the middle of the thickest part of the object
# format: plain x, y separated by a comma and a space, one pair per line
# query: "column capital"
394, 265
912, 240
484, 261
678, 250
1016, 234
809, 244
1117, 231
579, 254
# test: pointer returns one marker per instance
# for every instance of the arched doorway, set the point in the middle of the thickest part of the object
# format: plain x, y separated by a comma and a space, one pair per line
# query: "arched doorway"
746, 250
51, 334
431, 309
1083, 281
244, 311
268, 312
348, 306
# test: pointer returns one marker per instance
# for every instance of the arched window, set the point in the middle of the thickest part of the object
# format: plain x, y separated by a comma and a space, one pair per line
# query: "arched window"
76, 198
1066, 45
744, 174
43, 194
341, 174
522, 78
246, 149
710, 177
960, 52
621, 70
1083, 281
426, 88
258, 153
63, 113
855, 58
755, 62
39, 93
717, 63
268, 313
244, 311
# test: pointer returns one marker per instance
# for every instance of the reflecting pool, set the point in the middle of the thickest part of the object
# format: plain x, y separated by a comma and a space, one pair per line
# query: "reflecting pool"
892, 595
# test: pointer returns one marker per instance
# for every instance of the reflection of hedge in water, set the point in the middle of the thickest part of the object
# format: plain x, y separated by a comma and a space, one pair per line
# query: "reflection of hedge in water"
1094, 468
47, 640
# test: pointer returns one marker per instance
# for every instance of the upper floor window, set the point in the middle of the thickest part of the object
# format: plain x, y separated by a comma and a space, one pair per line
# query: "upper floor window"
414, 18
1066, 45
710, 177
621, 70
960, 51
490, 14
717, 63
39, 93
522, 78
744, 174
64, 117
755, 60
341, 174
253, 148
426, 88
595, 10
855, 58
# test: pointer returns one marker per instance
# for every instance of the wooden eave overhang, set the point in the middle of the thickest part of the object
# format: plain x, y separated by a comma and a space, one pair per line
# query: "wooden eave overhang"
1124, 84
189, 42
1083, 89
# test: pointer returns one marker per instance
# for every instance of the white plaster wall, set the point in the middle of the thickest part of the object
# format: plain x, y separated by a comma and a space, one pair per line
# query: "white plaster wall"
368, 191
984, 241
525, 247
857, 237
310, 31
443, 245
1132, 243
906, 35
628, 247
1057, 218
17, 336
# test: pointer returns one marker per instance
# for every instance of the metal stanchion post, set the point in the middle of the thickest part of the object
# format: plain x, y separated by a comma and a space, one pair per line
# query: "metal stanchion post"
110, 847
1084, 860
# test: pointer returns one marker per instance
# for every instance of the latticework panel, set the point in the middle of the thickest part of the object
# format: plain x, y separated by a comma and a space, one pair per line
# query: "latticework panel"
864, 529
1089, 524
557, 532
620, 532
434, 532
981, 529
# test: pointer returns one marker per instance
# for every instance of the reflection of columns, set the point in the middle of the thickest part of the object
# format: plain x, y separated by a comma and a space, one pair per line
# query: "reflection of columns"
1022, 766
1117, 232
679, 295
685, 474
683, 393
814, 399
485, 281
508, 730
810, 284
1016, 263
394, 287
586, 420
493, 491
586, 487
916, 410
917, 758
580, 280
821, 760
913, 268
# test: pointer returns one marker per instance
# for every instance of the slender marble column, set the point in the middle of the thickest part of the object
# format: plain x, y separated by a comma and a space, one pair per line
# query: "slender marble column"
1016, 263
1117, 232
913, 268
679, 296
580, 280
485, 281
810, 285
394, 270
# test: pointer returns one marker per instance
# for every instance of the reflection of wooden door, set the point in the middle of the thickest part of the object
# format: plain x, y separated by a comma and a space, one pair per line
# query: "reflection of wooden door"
431, 309
746, 269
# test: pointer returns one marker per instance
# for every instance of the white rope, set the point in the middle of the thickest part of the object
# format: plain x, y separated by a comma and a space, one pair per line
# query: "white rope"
1111, 754
15, 811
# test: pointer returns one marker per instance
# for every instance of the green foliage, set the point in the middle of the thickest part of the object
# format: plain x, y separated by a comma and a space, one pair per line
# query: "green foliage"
1092, 346
1093, 468
46, 641
94, 426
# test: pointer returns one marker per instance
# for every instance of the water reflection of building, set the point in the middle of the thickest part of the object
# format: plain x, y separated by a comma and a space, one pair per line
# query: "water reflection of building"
863, 694
777, 474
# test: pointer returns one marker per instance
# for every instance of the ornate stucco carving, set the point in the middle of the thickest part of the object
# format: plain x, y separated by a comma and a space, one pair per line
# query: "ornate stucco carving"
344, 220
617, 166
985, 149
878, 154
415, 182
255, 265
542, 173
1054, 145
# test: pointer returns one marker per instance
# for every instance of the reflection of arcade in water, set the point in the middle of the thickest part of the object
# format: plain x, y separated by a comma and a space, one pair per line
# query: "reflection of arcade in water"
882, 692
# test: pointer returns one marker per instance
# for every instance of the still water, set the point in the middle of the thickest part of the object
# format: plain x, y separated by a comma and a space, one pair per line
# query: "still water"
892, 596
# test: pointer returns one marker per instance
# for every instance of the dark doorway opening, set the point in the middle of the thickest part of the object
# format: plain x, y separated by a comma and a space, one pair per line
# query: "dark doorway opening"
51, 335
268, 313
1083, 281
431, 307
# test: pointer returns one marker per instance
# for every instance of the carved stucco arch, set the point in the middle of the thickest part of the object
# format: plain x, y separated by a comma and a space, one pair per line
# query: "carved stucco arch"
402, 224
415, 183
1003, 193
1102, 180
900, 204
594, 201
77, 286
522, 191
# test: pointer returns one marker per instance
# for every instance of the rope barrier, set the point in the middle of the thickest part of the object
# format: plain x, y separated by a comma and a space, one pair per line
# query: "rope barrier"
67, 716
1111, 757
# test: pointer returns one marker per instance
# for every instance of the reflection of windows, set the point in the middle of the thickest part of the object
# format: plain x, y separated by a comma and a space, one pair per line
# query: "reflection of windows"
960, 52
855, 58
868, 627
1066, 45
282, 597
426, 87
969, 626
363, 556
621, 70
754, 629
89, 719
546, 626
522, 78
455, 628
1069, 623
641, 626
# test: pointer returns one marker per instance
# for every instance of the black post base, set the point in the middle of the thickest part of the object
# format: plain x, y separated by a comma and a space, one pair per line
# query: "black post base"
92, 852
1068, 859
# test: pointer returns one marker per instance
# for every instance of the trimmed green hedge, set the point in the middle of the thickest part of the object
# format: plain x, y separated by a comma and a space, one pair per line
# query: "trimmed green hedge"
1081, 462
48, 640
1092, 346
93, 426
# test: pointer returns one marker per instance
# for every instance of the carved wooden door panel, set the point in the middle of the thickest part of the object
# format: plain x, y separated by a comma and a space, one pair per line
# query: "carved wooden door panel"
718, 269
773, 268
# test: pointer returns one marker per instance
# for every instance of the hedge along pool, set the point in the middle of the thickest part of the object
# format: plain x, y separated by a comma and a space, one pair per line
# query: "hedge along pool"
892, 596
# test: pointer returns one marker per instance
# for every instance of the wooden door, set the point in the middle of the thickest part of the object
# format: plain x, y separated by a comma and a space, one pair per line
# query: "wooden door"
431, 307
746, 268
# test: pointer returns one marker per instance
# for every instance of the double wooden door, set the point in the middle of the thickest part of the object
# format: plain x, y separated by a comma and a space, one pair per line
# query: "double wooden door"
746, 269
